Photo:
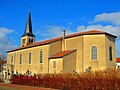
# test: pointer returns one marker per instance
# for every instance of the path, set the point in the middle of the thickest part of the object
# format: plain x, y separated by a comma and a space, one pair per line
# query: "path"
21, 87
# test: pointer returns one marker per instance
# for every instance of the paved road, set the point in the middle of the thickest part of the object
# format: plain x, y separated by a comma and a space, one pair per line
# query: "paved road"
21, 87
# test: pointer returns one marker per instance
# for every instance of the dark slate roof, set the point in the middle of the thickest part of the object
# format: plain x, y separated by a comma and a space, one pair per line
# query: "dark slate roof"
28, 28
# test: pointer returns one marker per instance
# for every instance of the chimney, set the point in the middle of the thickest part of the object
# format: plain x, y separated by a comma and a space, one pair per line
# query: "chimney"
64, 33
64, 40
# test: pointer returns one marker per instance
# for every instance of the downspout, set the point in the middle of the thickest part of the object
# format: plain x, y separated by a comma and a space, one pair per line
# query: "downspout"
14, 60
82, 55
48, 56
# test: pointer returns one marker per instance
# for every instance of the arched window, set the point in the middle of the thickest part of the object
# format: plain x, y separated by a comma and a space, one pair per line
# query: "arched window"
20, 58
41, 56
54, 64
23, 41
12, 59
110, 53
29, 40
94, 53
29, 61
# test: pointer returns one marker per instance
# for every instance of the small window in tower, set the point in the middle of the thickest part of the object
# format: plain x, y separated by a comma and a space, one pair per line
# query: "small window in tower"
23, 41
29, 40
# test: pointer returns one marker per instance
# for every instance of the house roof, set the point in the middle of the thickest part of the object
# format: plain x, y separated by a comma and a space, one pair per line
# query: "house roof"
61, 54
60, 38
117, 59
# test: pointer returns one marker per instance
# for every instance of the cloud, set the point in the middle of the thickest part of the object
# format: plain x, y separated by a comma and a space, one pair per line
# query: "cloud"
48, 32
115, 30
6, 43
113, 18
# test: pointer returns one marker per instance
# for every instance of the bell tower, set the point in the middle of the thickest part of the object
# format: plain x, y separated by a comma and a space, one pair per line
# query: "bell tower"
28, 37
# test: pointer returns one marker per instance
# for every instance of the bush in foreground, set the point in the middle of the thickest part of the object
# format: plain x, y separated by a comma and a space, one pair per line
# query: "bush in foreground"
107, 80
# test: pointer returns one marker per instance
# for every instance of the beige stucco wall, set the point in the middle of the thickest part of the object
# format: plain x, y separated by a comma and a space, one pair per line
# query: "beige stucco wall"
102, 43
65, 64
69, 63
59, 65
110, 41
99, 42
72, 44
55, 47
78, 61
35, 66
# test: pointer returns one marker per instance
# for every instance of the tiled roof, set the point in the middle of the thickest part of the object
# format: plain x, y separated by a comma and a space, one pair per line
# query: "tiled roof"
60, 38
61, 54
38, 44
88, 33
117, 59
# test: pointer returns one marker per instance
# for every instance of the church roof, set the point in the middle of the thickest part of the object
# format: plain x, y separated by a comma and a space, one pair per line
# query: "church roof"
89, 33
28, 27
38, 44
92, 32
61, 54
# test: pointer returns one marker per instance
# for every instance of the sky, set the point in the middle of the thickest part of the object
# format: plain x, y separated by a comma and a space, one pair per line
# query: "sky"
51, 17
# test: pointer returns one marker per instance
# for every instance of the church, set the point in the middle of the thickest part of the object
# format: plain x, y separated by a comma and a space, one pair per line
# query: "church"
78, 52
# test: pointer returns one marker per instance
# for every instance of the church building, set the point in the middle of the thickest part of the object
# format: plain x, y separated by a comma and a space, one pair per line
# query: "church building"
78, 52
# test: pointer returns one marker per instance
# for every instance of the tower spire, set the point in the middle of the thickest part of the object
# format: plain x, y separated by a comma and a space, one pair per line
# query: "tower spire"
28, 28
28, 37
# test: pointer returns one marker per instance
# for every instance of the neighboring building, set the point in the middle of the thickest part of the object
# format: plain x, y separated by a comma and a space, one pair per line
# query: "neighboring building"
4, 71
77, 52
3, 67
118, 63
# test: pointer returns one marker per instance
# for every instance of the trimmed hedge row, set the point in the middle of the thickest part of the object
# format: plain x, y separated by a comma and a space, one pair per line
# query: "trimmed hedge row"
107, 80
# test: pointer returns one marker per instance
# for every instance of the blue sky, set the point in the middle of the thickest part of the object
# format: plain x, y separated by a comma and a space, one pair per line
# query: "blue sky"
50, 17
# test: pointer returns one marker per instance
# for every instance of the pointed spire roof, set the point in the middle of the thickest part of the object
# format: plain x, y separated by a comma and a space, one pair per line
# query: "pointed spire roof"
28, 28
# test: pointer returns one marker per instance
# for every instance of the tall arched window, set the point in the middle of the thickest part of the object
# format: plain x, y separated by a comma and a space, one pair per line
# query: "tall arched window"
94, 53
110, 53
20, 58
29, 61
41, 56
12, 59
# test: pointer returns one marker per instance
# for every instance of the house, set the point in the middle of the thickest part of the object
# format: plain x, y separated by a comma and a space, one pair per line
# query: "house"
117, 62
78, 52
